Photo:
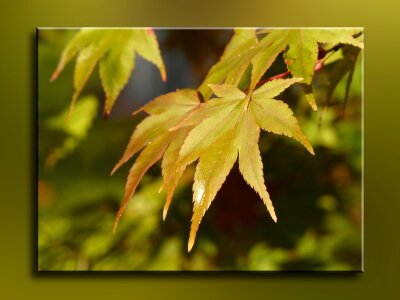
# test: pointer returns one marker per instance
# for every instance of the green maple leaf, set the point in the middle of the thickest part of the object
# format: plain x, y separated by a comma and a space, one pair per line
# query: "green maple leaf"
153, 138
114, 50
242, 52
302, 53
233, 63
269, 48
233, 133
300, 47
215, 133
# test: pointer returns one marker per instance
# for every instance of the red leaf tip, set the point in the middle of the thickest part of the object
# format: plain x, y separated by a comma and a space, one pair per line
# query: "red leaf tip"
106, 114
54, 76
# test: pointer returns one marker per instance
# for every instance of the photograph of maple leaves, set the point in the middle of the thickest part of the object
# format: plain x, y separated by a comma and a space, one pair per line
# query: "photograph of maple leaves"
200, 149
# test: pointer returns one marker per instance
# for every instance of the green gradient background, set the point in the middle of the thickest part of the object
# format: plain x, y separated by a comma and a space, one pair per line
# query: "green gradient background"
382, 198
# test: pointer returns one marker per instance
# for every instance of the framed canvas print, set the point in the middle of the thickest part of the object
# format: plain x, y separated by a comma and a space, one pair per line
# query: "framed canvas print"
200, 149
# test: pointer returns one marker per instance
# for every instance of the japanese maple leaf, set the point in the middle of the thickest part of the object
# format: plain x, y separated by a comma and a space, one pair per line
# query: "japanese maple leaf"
182, 130
247, 51
154, 139
231, 133
302, 52
114, 50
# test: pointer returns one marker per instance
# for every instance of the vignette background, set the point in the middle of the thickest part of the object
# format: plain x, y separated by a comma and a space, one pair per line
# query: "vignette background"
381, 243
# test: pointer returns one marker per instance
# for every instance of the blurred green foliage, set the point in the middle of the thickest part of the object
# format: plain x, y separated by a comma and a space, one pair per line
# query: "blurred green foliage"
317, 199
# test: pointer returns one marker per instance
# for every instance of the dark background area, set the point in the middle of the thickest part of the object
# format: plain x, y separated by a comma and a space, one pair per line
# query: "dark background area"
381, 162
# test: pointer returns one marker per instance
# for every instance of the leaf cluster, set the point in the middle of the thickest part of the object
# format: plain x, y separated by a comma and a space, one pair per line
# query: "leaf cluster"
182, 129
114, 50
